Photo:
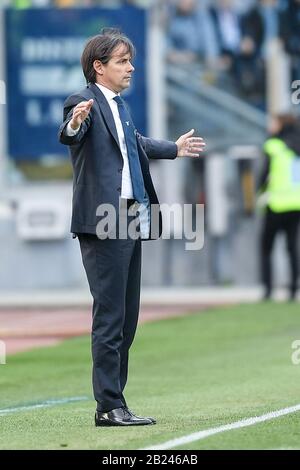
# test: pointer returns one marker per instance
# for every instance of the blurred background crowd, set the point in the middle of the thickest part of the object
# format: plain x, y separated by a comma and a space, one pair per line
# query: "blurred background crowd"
223, 67
225, 35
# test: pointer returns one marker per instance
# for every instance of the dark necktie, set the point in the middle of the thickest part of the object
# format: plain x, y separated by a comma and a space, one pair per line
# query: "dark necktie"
137, 179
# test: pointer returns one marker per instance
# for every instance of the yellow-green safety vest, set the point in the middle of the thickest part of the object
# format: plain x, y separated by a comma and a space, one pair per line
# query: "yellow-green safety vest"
283, 186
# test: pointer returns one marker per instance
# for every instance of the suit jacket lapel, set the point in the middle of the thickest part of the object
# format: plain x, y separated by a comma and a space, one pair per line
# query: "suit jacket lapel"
105, 111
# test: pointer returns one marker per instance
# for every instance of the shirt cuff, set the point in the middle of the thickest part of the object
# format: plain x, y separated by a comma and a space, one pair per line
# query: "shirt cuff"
70, 132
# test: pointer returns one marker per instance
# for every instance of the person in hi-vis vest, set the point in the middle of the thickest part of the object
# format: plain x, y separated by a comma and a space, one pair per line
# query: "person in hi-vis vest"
280, 183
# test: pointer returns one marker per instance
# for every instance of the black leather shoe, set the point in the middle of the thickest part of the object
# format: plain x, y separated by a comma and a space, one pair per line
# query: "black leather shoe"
119, 417
139, 417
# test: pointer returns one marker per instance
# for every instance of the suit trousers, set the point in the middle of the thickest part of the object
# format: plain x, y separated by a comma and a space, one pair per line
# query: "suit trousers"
113, 269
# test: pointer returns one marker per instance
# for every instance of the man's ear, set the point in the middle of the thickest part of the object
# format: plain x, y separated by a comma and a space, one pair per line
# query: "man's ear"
98, 66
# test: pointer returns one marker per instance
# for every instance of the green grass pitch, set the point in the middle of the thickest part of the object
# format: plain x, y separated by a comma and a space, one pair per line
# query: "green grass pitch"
192, 373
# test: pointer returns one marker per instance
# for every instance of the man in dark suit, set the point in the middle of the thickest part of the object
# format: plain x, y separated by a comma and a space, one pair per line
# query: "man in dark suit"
111, 167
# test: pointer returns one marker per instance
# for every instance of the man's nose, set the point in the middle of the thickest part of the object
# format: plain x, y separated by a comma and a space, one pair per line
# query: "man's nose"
131, 68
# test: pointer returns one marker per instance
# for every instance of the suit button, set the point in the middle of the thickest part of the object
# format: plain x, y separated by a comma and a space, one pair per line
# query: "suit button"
120, 170
119, 190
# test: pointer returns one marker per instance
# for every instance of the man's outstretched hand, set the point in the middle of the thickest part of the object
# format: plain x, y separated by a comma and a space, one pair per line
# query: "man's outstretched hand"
189, 146
80, 113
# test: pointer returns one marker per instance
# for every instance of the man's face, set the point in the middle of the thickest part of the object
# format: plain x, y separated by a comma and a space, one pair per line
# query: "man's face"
116, 74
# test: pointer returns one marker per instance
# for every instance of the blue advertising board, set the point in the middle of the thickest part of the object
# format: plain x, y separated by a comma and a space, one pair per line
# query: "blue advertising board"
43, 50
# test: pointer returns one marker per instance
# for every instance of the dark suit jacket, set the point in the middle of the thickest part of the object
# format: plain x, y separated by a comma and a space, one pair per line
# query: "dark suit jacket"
97, 160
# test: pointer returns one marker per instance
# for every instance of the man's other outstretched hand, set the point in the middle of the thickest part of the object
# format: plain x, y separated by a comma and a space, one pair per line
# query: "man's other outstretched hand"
80, 113
189, 146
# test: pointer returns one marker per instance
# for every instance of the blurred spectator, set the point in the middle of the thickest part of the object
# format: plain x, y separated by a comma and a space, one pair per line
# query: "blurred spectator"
228, 32
259, 26
190, 33
280, 183
290, 34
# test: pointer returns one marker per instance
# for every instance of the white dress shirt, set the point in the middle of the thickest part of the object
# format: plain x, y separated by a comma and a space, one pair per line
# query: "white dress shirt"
126, 191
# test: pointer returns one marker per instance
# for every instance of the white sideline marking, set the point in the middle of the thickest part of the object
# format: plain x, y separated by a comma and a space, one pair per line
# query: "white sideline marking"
197, 436
44, 404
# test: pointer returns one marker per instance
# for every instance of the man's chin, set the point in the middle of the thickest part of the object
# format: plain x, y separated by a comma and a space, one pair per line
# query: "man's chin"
125, 85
